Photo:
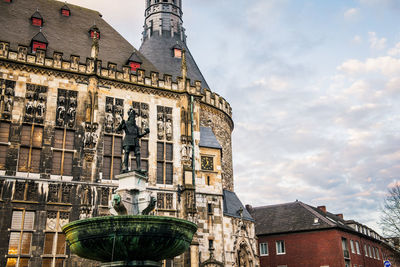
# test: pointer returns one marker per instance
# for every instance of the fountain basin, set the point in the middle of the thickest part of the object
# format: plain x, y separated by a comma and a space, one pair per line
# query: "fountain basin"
129, 237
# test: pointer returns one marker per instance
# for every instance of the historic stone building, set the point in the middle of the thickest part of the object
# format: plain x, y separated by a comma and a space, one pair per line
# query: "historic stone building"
65, 85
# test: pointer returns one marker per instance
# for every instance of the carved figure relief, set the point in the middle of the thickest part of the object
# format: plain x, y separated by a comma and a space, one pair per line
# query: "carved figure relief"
7, 93
4, 49
35, 103
114, 111
74, 62
91, 135
40, 55
164, 123
66, 108
22, 52
57, 60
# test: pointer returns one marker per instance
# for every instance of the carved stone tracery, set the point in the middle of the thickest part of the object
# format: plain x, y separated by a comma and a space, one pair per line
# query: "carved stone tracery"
66, 108
7, 92
35, 103
164, 123
114, 113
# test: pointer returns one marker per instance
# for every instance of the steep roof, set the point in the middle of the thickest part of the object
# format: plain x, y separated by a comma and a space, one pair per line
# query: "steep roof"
232, 206
159, 50
68, 35
294, 217
208, 139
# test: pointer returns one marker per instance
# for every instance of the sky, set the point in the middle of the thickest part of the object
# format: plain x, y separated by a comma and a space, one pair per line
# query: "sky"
314, 86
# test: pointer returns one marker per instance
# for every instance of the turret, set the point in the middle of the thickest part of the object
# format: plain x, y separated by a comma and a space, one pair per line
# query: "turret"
163, 17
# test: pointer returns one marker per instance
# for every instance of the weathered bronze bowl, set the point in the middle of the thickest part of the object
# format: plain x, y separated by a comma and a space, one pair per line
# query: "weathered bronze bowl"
129, 238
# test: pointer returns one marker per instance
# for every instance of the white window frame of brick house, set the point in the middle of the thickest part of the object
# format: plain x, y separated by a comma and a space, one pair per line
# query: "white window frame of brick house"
358, 248
280, 249
264, 249
352, 247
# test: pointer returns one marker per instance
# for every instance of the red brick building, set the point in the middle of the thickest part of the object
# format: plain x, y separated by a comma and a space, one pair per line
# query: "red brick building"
296, 235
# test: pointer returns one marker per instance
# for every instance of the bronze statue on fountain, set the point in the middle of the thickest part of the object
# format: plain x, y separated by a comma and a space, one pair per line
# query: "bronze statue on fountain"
131, 140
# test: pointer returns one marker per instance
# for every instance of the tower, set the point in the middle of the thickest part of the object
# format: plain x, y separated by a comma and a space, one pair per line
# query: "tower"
164, 17
164, 39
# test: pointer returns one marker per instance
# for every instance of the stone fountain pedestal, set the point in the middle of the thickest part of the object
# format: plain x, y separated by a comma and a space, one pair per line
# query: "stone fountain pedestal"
131, 237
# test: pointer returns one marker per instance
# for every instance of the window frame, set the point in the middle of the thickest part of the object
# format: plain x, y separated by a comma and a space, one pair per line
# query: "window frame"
54, 256
19, 255
165, 162
280, 247
358, 248
112, 156
264, 249
31, 147
63, 151
352, 247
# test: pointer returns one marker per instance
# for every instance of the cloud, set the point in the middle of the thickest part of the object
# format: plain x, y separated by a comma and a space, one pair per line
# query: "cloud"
351, 13
357, 39
375, 42
395, 51
387, 66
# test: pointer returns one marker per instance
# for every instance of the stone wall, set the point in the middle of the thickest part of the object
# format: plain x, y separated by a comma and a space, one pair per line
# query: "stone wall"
222, 126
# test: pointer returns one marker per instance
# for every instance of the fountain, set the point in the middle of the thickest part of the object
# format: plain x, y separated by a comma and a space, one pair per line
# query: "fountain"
130, 237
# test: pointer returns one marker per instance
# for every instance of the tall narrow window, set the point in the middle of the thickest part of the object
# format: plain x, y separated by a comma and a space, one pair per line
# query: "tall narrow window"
19, 245
112, 158
358, 248
280, 247
63, 152
352, 246
263, 249
144, 154
112, 149
31, 146
54, 241
4, 135
164, 163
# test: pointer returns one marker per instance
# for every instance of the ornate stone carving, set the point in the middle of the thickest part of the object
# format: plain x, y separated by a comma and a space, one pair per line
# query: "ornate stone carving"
74, 63
164, 123
66, 108
22, 52
54, 189
114, 112
7, 93
35, 103
57, 60
91, 135
4, 49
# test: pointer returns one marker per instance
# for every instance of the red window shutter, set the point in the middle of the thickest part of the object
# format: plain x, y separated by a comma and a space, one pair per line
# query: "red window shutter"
134, 66
177, 53
36, 22
8, 1
65, 12
39, 45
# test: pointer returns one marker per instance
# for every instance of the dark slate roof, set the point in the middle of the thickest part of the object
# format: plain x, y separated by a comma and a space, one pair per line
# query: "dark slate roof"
65, 7
68, 35
208, 139
232, 205
37, 15
159, 50
39, 37
294, 217
134, 57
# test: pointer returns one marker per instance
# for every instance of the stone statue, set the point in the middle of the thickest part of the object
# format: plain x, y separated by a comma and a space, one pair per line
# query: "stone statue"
131, 140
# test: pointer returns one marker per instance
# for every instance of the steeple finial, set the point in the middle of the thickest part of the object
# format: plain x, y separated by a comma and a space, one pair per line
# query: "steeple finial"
184, 66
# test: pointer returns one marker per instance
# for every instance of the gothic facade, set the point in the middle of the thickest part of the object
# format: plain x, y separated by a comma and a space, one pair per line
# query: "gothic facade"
65, 85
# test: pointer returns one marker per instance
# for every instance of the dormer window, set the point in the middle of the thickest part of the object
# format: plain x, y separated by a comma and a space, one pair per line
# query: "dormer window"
65, 11
177, 51
37, 19
134, 62
94, 30
39, 41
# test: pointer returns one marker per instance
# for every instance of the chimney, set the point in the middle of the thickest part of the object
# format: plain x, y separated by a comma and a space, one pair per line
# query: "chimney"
340, 215
322, 208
